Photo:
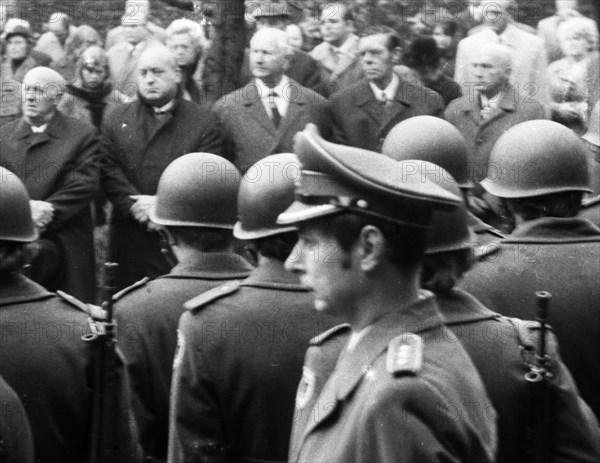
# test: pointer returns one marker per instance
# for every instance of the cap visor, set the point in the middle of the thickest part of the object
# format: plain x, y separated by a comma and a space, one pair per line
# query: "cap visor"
241, 234
300, 212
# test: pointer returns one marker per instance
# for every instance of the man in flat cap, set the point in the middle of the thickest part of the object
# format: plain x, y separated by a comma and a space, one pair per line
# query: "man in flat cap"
56, 157
401, 386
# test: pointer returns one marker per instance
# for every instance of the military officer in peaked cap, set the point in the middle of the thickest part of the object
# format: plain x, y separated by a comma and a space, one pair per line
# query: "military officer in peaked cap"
502, 349
43, 356
402, 388
541, 168
435, 140
196, 206
242, 344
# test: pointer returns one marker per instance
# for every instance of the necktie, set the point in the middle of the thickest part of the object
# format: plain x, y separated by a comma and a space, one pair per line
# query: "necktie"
275, 116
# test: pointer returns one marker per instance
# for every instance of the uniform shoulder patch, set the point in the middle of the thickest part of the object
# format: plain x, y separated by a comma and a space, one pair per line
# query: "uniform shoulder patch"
405, 354
212, 295
330, 333
136, 285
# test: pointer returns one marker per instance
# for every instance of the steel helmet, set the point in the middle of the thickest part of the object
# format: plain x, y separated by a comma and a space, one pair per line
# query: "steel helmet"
593, 133
15, 212
537, 158
197, 190
267, 190
430, 139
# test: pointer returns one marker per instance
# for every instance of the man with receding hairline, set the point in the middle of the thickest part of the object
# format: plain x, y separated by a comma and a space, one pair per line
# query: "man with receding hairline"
486, 112
140, 139
55, 157
262, 117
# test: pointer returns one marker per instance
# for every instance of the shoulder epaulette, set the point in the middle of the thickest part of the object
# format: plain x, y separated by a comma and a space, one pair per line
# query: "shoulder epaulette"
73, 301
528, 335
127, 290
326, 335
405, 354
212, 295
483, 251
590, 201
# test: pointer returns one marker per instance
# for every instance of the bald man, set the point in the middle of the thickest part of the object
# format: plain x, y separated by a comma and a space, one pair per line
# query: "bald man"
139, 140
262, 117
56, 158
484, 113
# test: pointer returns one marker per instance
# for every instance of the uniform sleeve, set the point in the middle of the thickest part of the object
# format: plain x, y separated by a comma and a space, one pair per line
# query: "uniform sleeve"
115, 183
16, 445
416, 424
196, 430
78, 182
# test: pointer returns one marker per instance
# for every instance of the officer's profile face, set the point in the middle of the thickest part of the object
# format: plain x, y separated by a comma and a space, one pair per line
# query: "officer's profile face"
377, 59
334, 28
17, 47
158, 76
267, 59
326, 269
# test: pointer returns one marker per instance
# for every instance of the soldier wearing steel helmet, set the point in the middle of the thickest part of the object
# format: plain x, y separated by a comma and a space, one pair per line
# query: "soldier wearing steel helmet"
196, 208
362, 222
242, 344
496, 345
541, 170
44, 358
432, 139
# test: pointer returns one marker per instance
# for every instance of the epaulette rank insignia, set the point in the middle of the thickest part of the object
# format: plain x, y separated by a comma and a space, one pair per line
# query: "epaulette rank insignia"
94, 311
212, 295
136, 285
326, 335
405, 354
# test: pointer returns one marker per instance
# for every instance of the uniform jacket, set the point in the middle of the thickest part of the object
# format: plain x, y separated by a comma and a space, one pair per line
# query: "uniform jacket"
560, 256
480, 134
237, 369
249, 134
148, 313
16, 444
136, 149
495, 344
376, 407
358, 119
529, 64
60, 166
302, 68
49, 366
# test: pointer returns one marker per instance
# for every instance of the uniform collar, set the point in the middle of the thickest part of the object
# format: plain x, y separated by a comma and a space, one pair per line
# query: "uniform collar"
272, 275
19, 289
555, 230
458, 307
212, 265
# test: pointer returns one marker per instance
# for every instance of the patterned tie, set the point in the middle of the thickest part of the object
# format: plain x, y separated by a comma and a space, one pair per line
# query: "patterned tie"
275, 116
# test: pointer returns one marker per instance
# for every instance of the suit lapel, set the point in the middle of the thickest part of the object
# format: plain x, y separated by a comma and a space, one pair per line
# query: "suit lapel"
505, 105
367, 102
254, 108
296, 107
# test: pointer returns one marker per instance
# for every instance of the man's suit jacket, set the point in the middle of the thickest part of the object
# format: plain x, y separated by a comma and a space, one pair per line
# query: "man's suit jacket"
480, 134
529, 64
60, 166
357, 118
249, 134
136, 150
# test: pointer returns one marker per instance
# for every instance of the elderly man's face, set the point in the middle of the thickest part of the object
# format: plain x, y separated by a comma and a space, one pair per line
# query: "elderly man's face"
134, 33
267, 61
490, 72
17, 47
377, 60
157, 81
182, 47
39, 99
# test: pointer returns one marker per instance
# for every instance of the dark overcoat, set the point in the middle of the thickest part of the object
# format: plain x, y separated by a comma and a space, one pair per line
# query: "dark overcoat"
47, 363
562, 256
136, 149
238, 366
497, 346
356, 118
249, 134
60, 166
148, 314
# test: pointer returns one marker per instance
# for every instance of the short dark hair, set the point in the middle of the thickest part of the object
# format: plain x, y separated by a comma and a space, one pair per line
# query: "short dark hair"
277, 247
203, 239
406, 244
393, 39
443, 270
563, 204
12, 258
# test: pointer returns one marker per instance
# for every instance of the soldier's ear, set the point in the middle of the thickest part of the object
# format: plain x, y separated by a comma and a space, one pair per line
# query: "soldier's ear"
371, 248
